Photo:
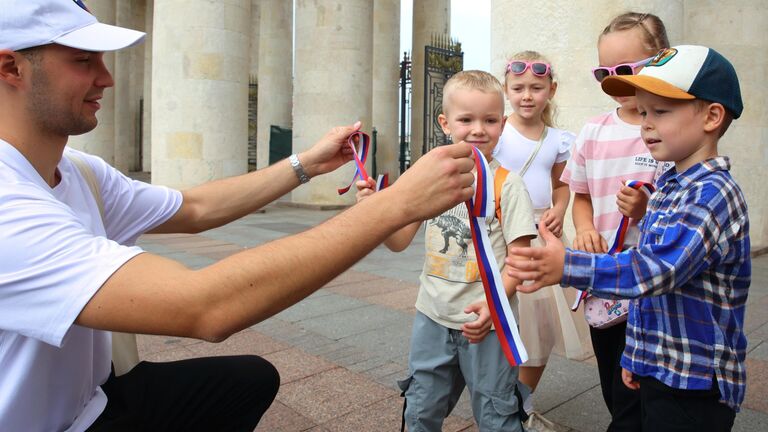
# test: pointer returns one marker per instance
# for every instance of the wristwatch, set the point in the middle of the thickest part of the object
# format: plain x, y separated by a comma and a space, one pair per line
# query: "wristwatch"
298, 169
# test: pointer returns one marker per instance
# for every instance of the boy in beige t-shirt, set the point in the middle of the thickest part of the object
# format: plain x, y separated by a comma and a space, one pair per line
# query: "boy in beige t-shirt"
450, 345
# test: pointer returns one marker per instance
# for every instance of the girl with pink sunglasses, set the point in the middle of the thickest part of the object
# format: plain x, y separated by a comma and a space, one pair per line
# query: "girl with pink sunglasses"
608, 151
532, 147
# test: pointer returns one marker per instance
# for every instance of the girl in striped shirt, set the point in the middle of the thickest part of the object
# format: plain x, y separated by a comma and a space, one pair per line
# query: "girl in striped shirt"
608, 151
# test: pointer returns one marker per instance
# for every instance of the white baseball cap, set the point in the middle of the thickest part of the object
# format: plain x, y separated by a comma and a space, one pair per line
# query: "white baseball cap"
31, 23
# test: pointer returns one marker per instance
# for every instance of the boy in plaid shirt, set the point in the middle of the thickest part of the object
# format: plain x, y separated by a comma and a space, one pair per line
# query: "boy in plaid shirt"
689, 276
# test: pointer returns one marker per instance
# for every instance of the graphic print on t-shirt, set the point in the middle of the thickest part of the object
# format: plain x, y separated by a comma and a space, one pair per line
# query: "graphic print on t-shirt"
450, 254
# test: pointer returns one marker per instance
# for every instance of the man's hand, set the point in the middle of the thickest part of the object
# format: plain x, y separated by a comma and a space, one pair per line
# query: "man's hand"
632, 202
438, 181
553, 221
330, 152
478, 329
542, 265
629, 380
590, 241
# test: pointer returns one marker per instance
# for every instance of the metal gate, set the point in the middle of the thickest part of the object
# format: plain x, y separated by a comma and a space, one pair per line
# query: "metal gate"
405, 113
442, 59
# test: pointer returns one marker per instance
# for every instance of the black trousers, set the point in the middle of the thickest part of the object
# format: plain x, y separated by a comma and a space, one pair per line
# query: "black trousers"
666, 409
202, 394
622, 403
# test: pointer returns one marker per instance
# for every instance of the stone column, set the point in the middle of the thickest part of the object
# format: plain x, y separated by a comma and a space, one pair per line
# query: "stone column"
128, 70
386, 75
742, 38
333, 83
274, 72
199, 91
146, 130
101, 141
572, 47
430, 17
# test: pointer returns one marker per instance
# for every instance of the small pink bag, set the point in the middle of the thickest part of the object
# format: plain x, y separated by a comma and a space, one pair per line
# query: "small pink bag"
603, 313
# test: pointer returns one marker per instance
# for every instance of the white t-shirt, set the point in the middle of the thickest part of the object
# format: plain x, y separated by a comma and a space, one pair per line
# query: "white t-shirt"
55, 254
513, 151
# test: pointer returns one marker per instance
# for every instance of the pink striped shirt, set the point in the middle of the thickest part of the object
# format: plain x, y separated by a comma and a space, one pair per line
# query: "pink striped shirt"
608, 151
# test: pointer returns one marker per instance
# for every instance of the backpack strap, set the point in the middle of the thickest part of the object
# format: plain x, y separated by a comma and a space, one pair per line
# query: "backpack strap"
499, 177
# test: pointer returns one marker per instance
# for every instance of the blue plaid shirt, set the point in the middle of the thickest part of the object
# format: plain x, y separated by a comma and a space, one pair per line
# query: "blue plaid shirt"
689, 279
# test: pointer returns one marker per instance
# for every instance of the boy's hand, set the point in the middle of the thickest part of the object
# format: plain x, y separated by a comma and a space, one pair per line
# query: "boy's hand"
632, 202
629, 380
590, 241
478, 329
365, 188
542, 265
553, 221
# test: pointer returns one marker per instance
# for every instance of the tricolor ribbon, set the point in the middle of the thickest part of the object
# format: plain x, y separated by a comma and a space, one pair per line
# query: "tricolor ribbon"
360, 158
621, 233
382, 181
480, 207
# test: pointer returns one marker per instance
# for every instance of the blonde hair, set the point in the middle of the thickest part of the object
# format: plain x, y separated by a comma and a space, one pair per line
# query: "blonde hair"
550, 111
472, 80
654, 33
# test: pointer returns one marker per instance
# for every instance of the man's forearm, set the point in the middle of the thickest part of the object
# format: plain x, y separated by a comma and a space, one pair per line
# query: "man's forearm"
219, 202
244, 288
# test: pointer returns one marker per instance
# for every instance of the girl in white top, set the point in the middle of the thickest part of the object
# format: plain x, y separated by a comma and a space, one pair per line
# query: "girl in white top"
531, 147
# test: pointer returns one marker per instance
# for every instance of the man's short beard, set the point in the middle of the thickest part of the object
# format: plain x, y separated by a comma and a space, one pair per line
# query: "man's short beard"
47, 116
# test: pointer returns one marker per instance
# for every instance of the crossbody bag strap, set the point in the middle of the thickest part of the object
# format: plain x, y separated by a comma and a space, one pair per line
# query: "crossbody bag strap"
125, 352
533, 154
90, 179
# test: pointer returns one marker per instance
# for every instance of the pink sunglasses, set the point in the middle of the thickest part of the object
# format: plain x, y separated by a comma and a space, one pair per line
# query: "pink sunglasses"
518, 67
602, 72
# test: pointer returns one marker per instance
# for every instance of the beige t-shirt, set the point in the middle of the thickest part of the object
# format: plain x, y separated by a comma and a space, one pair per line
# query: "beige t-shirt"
450, 280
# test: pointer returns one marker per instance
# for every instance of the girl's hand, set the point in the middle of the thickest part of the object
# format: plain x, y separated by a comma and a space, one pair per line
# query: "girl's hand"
365, 188
478, 329
553, 221
632, 202
590, 241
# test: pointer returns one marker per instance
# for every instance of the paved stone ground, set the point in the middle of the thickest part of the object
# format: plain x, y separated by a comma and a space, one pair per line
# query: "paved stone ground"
340, 350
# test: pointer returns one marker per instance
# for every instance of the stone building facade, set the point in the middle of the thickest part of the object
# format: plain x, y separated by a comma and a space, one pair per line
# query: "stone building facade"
180, 105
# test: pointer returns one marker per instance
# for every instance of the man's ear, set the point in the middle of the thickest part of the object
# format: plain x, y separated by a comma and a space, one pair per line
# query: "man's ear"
443, 121
10, 70
714, 117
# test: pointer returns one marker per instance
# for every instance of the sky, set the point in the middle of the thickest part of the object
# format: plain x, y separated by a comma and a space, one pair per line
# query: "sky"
470, 24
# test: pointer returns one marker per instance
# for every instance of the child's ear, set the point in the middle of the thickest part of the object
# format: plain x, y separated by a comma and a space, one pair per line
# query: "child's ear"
714, 117
553, 90
443, 121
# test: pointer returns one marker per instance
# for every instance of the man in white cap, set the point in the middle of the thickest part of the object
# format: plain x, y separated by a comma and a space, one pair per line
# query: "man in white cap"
69, 273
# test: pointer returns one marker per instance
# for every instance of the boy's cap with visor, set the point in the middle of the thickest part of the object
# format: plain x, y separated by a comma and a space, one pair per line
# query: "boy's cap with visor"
684, 72
32, 23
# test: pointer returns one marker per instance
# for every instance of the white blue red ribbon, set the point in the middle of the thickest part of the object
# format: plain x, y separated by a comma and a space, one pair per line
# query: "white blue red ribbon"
480, 207
360, 158
621, 233
382, 181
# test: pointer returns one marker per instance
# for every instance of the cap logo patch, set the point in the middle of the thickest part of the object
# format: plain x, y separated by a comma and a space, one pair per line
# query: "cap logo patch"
82, 5
662, 57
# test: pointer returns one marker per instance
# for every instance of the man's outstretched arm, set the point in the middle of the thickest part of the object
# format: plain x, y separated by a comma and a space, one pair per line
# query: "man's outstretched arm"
219, 202
154, 295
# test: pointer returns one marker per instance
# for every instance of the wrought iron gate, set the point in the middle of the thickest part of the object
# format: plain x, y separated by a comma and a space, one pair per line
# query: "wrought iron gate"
405, 112
442, 59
